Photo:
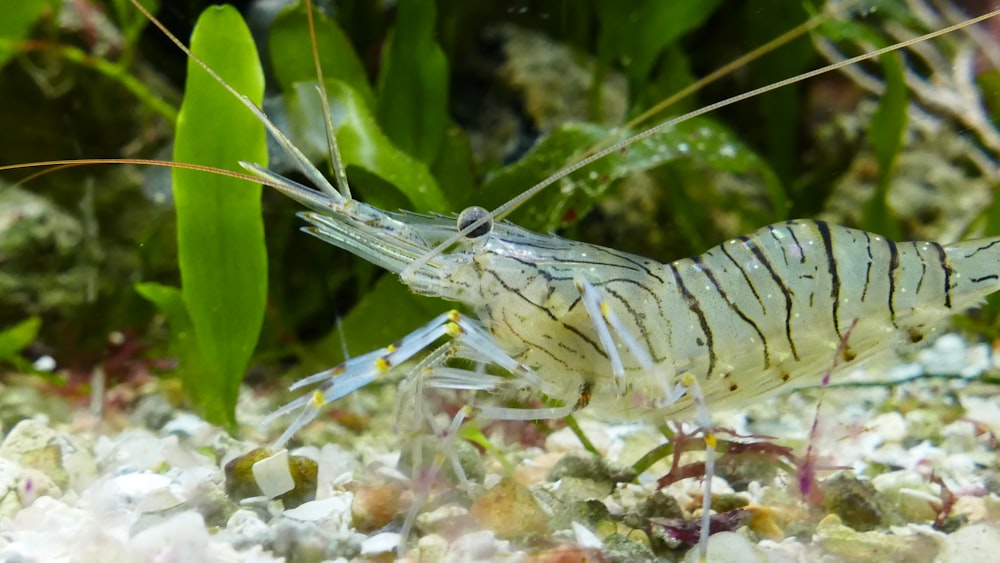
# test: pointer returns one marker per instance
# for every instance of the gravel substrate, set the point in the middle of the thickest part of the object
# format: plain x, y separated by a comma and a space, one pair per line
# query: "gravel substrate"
902, 472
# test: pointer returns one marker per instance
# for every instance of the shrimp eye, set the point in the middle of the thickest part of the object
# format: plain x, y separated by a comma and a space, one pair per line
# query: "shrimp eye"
472, 214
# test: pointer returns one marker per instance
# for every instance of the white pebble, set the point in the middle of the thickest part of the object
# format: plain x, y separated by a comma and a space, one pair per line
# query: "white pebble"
891, 426
977, 542
585, 538
273, 475
182, 538
337, 508
728, 547
380, 543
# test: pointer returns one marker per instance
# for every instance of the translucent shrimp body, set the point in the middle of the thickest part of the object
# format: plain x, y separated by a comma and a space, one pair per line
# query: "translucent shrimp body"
626, 336
587, 325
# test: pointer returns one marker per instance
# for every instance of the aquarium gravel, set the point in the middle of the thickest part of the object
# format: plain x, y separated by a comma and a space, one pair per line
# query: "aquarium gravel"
900, 472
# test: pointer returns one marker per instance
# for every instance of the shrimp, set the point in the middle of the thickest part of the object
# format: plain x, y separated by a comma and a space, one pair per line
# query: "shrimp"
628, 337
624, 336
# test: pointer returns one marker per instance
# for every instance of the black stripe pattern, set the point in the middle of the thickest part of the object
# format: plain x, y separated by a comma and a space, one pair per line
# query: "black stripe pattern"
752, 315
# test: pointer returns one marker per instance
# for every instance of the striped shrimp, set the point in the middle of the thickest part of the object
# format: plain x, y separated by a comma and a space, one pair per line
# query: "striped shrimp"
625, 336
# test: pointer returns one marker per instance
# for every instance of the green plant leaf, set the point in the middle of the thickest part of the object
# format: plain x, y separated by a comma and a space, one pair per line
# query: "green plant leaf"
455, 171
170, 302
780, 109
17, 338
291, 53
18, 19
637, 31
885, 133
413, 84
220, 232
362, 143
701, 140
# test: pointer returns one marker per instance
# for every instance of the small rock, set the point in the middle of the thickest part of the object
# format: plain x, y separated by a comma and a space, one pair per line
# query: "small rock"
335, 465
448, 519
132, 450
375, 505
510, 511
890, 426
728, 501
660, 505
584, 537
380, 543
180, 538
52, 530
973, 508
728, 547
477, 546
58, 455
851, 546
333, 512
431, 547
273, 474
589, 513
576, 489
585, 465
20, 486
241, 478
764, 523
854, 501
918, 506
119, 496
314, 540
244, 529
566, 553
976, 542
619, 548
925, 424
910, 493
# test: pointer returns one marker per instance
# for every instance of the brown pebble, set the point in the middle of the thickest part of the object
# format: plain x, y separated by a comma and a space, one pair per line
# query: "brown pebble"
510, 511
375, 505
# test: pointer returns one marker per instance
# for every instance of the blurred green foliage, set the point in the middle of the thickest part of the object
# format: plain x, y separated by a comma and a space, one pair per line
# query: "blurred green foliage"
437, 109
16, 338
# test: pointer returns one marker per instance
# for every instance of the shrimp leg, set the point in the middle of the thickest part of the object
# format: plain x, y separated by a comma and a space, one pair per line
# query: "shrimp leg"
606, 322
467, 336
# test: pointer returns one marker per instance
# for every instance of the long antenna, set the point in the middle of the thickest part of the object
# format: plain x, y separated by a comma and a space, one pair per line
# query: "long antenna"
303, 163
517, 201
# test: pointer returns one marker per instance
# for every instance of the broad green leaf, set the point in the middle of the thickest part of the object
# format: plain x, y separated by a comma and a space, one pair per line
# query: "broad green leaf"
362, 142
17, 338
885, 133
886, 129
291, 53
413, 84
701, 140
635, 32
989, 85
19, 16
455, 171
170, 302
220, 232
779, 111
